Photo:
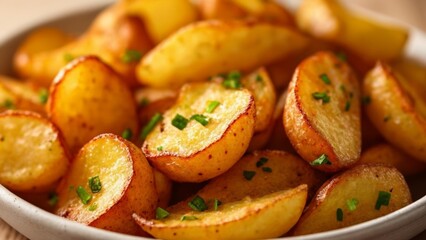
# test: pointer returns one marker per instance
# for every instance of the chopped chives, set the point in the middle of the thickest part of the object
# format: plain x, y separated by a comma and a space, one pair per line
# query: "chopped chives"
161, 213
160, 148
53, 199
383, 199
232, 80
325, 79
8, 104
93, 207
267, 169
200, 118
347, 106
212, 106
352, 204
339, 214
259, 78
216, 204
366, 100
189, 218
248, 174
321, 96
95, 184
43, 95
151, 124
180, 122
127, 134
261, 161
198, 204
131, 56
84, 196
321, 160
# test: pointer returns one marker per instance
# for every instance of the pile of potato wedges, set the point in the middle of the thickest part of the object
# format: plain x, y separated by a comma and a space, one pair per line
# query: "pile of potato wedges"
218, 119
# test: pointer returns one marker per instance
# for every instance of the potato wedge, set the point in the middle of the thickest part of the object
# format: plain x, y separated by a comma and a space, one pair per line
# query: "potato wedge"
21, 133
329, 20
162, 17
204, 49
397, 109
220, 9
273, 171
362, 193
322, 113
164, 188
108, 181
116, 38
180, 147
88, 98
265, 217
386, 154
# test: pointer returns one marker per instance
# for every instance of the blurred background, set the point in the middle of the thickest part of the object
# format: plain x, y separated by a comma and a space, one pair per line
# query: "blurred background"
17, 14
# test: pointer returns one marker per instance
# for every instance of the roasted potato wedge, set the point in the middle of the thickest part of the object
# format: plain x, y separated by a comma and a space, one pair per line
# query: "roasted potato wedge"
265, 217
88, 98
33, 156
329, 20
108, 181
164, 188
118, 39
322, 113
204, 49
386, 154
258, 174
397, 109
360, 194
221, 9
162, 17
179, 147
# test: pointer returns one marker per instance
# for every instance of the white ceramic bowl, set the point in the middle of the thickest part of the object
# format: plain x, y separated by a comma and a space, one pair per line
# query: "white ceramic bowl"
36, 223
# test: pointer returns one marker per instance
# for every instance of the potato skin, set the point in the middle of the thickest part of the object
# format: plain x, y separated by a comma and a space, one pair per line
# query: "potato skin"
397, 110
133, 176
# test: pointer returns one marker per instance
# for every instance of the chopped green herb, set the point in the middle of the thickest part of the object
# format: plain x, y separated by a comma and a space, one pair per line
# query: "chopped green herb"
8, 104
95, 184
212, 106
84, 196
144, 102
43, 95
386, 118
150, 126
321, 96
259, 78
127, 134
267, 169
200, 118
53, 199
325, 79
161, 213
131, 56
261, 161
321, 160
383, 199
180, 122
68, 57
342, 56
232, 80
366, 100
339, 214
216, 204
188, 218
160, 148
352, 204
248, 174
198, 204
347, 106
93, 207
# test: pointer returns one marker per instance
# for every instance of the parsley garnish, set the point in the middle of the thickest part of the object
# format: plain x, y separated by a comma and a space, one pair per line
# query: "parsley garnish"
321, 96
200, 118
180, 122
127, 134
212, 106
151, 124
339, 214
95, 184
161, 213
248, 174
131, 56
352, 204
321, 160
325, 79
83, 195
383, 199
198, 204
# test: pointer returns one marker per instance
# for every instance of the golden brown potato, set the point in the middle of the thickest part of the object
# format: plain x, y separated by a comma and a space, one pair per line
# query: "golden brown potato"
397, 109
164, 188
32, 152
258, 174
329, 20
116, 38
360, 194
386, 154
162, 17
108, 181
88, 98
322, 113
193, 133
221, 9
413, 71
207, 48
269, 216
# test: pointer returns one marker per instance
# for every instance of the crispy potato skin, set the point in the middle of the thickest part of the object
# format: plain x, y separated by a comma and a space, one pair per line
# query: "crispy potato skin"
164, 188
315, 128
83, 89
397, 110
265, 217
127, 185
196, 159
386, 154
24, 132
211, 47
320, 214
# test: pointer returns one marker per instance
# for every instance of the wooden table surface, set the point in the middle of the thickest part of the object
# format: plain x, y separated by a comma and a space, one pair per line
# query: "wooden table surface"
410, 11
